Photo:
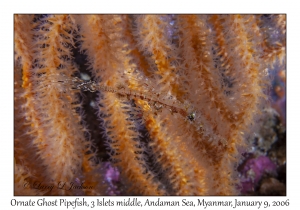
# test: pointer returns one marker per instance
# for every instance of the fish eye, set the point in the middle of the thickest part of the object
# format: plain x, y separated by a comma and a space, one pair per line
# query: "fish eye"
191, 116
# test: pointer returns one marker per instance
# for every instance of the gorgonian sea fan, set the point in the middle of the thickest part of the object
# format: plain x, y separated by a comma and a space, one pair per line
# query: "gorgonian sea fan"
177, 95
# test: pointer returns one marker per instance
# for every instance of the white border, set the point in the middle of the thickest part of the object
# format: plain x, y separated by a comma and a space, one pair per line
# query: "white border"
8, 8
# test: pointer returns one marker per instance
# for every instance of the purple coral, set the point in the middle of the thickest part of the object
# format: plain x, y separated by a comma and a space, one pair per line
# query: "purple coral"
253, 170
112, 176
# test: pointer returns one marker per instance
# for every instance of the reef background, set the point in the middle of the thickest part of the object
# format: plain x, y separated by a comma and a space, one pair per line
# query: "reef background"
99, 158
